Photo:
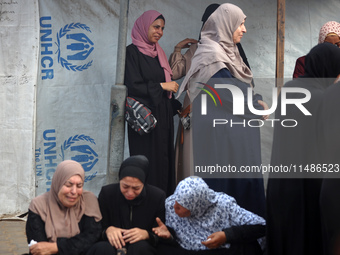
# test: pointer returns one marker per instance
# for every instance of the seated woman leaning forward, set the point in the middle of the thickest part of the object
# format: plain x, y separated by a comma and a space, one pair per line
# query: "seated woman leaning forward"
66, 219
202, 221
130, 209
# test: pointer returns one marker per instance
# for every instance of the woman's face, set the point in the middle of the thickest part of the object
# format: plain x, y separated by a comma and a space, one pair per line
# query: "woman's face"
333, 39
131, 187
181, 211
237, 35
71, 191
156, 30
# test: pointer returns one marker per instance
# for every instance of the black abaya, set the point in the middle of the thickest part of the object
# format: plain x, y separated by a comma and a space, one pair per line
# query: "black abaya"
330, 189
293, 214
143, 75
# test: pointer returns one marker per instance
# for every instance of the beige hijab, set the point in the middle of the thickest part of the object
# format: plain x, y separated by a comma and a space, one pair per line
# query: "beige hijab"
217, 50
59, 220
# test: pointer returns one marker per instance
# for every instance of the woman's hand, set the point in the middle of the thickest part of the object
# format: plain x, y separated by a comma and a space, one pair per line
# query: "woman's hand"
115, 237
215, 240
265, 107
171, 86
44, 248
161, 231
134, 235
184, 44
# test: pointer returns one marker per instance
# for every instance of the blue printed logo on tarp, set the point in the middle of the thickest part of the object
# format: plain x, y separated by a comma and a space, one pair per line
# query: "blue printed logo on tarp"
74, 47
77, 148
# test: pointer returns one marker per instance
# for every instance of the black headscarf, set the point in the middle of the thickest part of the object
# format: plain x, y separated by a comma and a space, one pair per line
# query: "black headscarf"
323, 61
208, 11
135, 166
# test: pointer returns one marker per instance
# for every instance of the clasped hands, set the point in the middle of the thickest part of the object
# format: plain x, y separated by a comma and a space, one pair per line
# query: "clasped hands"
118, 237
213, 241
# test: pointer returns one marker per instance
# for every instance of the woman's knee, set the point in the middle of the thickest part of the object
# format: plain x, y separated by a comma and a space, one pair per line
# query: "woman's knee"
102, 248
141, 248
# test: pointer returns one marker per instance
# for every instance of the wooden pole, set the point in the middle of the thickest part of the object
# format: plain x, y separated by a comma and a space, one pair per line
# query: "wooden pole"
280, 42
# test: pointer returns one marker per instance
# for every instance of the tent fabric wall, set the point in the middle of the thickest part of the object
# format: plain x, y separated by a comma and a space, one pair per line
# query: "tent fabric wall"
18, 69
46, 120
73, 92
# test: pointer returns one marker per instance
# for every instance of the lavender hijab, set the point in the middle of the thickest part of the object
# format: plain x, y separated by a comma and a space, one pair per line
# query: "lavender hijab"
217, 50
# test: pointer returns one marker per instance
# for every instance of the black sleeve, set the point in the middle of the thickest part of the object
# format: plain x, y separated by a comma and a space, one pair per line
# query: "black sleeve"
244, 233
160, 213
176, 105
90, 231
35, 228
161, 209
104, 209
146, 91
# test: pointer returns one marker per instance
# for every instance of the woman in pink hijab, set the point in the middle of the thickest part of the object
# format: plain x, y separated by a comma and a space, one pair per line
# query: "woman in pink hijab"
148, 79
66, 219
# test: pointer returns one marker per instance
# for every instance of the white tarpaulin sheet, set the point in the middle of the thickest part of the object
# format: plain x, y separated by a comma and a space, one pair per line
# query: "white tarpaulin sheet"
18, 69
65, 51
75, 75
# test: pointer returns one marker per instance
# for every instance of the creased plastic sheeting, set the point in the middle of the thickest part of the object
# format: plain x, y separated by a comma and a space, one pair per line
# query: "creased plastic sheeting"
76, 66
18, 58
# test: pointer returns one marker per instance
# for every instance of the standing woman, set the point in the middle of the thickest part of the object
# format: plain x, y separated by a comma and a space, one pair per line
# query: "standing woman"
217, 61
66, 219
293, 213
148, 79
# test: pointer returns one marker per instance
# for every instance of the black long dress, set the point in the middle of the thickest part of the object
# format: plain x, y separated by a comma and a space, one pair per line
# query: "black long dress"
293, 213
293, 216
143, 75
235, 145
330, 189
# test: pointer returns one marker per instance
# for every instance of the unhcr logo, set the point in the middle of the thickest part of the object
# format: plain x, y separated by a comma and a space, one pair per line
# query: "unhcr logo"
79, 148
74, 47
78, 47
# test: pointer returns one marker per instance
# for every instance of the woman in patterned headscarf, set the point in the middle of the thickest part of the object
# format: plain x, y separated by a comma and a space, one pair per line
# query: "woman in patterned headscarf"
200, 220
329, 32
66, 219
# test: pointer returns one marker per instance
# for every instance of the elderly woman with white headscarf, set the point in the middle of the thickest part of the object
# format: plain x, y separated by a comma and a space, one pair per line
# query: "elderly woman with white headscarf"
218, 137
203, 221
66, 219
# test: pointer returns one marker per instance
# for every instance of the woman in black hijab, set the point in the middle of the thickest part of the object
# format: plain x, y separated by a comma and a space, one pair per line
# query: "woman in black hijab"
129, 210
293, 215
